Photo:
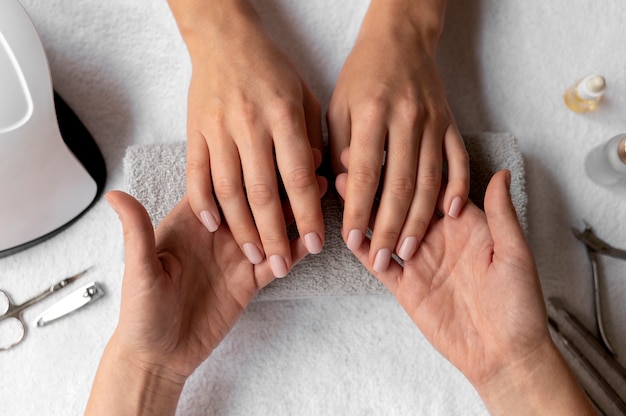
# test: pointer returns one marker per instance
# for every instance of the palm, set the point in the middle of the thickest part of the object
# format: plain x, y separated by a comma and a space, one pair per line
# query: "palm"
194, 287
458, 289
475, 300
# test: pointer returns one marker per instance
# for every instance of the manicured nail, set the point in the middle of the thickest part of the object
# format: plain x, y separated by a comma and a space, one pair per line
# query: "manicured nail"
355, 239
455, 207
313, 243
252, 252
209, 221
408, 247
278, 265
381, 262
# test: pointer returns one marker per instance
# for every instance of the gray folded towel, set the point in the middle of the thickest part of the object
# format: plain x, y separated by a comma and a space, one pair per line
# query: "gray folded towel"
155, 175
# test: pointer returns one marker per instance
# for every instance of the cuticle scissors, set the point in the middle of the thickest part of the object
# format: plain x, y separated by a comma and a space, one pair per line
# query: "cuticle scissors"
14, 312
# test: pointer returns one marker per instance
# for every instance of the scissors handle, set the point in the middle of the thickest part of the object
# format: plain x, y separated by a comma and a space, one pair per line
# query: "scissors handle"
20, 330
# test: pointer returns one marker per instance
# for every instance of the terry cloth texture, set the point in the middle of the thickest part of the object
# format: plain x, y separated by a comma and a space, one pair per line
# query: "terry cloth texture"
155, 175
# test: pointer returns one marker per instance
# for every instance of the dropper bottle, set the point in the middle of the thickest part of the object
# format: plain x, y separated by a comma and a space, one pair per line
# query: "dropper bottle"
585, 94
606, 164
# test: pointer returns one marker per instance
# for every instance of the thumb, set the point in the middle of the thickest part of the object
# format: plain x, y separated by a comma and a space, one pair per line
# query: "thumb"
504, 225
139, 243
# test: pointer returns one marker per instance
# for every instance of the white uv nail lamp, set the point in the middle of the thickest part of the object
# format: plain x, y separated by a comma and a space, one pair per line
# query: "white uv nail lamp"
51, 170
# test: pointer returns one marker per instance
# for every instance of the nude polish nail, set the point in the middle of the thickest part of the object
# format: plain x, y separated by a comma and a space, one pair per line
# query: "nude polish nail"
278, 265
408, 247
313, 243
252, 252
209, 221
455, 207
355, 239
381, 262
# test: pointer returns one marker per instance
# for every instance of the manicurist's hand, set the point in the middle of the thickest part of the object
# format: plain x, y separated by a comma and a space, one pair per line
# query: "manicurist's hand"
183, 290
473, 290
389, 97
252, 121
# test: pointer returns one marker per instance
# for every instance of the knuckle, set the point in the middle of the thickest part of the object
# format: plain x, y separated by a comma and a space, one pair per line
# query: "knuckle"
225, 188
401, 187
285, 112
387, 236
374, 107
272, 240
249, 114
197, 166
429, 178
260, 194
409, 110
300, 179
364, 176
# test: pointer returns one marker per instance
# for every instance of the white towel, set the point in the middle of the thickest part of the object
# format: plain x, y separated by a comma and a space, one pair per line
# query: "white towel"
155, 175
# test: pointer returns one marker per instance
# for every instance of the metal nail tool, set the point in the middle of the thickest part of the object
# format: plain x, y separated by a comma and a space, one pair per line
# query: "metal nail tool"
590, 341
75, 300
595, 247
14, 312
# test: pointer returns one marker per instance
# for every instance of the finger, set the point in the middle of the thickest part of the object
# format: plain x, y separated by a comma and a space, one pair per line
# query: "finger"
317, 158
458, 172
345, 158
264, 199
390, 277
139, 243
296, 166
199, 185
429, 171
338, 122
366, 157
504, 225
264, 272
397, 194
313, 121
341, 181
228, 185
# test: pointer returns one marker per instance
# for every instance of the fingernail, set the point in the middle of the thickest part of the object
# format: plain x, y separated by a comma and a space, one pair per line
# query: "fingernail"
408, 247
381, 262
313, 243
355, 239
455, 207
278, 265
252, 252
209, 221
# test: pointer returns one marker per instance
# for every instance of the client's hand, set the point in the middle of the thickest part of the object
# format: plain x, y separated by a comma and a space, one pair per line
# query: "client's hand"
473, 290
253, 125
182, 293
389, 105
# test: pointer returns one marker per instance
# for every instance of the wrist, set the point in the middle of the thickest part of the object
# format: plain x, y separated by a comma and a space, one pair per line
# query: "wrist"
125, 385
203, 24
419, 20
540, 383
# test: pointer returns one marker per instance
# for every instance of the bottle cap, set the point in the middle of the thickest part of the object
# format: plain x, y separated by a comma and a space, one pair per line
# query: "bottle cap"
591, 87
621, 150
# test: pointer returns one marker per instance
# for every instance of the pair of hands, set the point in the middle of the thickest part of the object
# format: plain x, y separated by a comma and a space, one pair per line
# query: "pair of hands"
472, 288
250, 111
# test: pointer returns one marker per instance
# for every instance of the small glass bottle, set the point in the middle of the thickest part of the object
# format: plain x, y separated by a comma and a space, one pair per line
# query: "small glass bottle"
585, 94
606, 164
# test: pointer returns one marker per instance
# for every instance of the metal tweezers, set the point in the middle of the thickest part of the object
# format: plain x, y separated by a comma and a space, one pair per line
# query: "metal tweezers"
595, 246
